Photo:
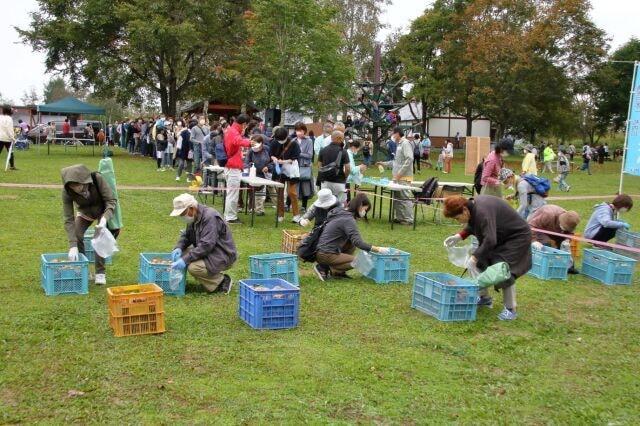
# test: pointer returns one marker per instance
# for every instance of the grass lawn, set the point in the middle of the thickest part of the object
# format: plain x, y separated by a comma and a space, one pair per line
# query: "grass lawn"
359, 355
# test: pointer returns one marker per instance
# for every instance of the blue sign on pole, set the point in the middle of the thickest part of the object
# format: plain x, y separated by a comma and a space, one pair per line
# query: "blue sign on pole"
632, 158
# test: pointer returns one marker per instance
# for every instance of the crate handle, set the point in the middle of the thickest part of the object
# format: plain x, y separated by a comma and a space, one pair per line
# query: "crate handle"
279, 296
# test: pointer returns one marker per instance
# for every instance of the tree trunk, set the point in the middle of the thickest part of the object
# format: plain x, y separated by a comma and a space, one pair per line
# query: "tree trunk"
424, 115
173, 98
469, 118
164, 99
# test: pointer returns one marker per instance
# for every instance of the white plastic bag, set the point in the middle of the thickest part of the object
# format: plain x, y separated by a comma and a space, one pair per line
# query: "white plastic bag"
104, 243
175, 278
294, 170
459, 254
363, 263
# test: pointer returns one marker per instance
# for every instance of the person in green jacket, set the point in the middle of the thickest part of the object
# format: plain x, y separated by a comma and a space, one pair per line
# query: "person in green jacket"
95, 201
549, 157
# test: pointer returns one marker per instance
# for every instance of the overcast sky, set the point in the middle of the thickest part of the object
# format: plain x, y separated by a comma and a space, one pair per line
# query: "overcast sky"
24, 69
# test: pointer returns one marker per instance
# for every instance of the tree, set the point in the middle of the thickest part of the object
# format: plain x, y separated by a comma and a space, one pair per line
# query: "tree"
119, 48
56, 89
293, 58
30, 97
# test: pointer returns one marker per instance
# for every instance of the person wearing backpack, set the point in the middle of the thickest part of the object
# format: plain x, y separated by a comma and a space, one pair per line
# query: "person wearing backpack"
414, 140
95, 201
529, 200
334, 167
340, 238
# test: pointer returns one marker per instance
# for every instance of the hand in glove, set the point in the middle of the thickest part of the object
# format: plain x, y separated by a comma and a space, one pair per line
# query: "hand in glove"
452, 240
175, 254
537, 245
73, 254
102, 223
179, 265
383, 250
304, 222
625, 225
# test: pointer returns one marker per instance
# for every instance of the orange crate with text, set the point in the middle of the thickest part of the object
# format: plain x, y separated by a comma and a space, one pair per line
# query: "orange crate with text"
136, 309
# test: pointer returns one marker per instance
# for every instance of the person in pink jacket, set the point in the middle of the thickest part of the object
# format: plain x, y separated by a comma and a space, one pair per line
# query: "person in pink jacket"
491, 183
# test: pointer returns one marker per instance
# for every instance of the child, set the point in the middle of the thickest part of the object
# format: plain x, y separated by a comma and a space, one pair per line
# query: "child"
563, 170
440, 164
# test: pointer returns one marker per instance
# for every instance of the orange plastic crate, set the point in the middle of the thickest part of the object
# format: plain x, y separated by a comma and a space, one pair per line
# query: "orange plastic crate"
136, 309
291, 239
575, 246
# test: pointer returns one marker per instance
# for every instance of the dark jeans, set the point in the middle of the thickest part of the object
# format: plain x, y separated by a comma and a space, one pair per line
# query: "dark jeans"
604, 234
81, 227
8, 146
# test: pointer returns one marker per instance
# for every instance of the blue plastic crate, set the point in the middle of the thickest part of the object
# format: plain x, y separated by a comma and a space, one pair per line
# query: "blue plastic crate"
159, 273
549, 263
607, 267
64, 277
269, 304
274, 265
629, 239
388, 268
445, 296
88, 248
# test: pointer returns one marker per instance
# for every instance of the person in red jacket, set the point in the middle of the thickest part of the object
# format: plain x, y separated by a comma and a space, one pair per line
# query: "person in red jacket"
233, 144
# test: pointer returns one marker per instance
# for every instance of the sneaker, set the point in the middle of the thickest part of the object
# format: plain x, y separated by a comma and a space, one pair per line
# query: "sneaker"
226, 284
573, 271
163, 169
177, 178
507, 315
234, 222
12, 168
321, 272
485, 301
568, 188
260, 214
296, 218
101, 279
280, 219
159, 170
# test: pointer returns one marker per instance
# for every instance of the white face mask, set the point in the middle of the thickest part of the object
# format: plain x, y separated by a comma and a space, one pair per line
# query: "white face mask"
623, 210
201, 122
282, 142
256, 148
187, 219
362, 213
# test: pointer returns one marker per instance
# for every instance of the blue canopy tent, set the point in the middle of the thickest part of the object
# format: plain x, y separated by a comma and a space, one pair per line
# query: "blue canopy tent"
70, 105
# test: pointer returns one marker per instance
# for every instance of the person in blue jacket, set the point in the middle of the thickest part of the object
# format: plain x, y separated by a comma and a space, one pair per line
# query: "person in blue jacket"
602, 224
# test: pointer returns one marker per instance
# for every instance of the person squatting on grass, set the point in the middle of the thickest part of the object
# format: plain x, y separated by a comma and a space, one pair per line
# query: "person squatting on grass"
555, 219
206, 248
340, 238
503, 236
96, 202
602, 225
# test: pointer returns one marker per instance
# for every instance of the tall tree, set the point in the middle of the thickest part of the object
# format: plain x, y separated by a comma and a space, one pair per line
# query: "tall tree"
293, 56
56, 89
119, 47
30, 97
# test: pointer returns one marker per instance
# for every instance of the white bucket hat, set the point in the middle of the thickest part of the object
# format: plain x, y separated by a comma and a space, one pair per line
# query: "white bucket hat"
325, 199
183, 202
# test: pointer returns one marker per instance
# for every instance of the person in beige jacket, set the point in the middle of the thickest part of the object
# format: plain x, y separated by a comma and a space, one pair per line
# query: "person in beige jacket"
7, 135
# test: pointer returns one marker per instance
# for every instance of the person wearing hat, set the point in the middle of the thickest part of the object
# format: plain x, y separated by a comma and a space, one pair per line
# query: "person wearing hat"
529, 165
94, 198
320, 208
528, 199
206, 247
554, 219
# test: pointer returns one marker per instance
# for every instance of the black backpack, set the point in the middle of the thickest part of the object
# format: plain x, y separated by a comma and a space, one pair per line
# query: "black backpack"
477, 177
429, 187
331, 171
365, 149
309, 246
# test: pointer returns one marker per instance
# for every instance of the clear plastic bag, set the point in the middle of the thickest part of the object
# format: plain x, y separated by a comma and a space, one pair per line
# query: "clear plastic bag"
104, 243
363, 262
175, 278
460, 253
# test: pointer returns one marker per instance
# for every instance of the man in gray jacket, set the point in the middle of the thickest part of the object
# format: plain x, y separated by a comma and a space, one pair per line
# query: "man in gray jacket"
206, 247
402, 170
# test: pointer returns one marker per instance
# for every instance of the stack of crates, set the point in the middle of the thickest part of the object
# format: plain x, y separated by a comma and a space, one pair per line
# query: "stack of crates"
156, 268
629, 239
291, 240
88, 247
389, 268
550, 264
445, 296
275, 265
269, 303
136, 309
607, 267
61, 276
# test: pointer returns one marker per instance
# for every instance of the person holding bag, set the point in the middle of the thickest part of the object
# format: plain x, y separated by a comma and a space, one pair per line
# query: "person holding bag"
284, 152
334, 167
305, 185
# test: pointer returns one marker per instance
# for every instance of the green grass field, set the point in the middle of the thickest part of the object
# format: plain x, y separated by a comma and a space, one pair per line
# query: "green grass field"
359, 355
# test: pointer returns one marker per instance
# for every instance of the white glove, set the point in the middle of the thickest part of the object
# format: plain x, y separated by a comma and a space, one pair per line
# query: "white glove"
384, 250
304, 222
73, 254
452, 240
537, 245
102, 223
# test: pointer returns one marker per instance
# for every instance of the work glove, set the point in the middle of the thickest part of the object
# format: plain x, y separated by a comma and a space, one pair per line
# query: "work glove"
537, 245
304, 222
73, 254
625, 225
176, 253
452, 240
102, 223
384, 250
179, 265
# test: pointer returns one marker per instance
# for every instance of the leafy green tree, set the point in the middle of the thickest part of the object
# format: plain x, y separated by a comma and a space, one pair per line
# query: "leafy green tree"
293, 58
56, 89
120, 48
